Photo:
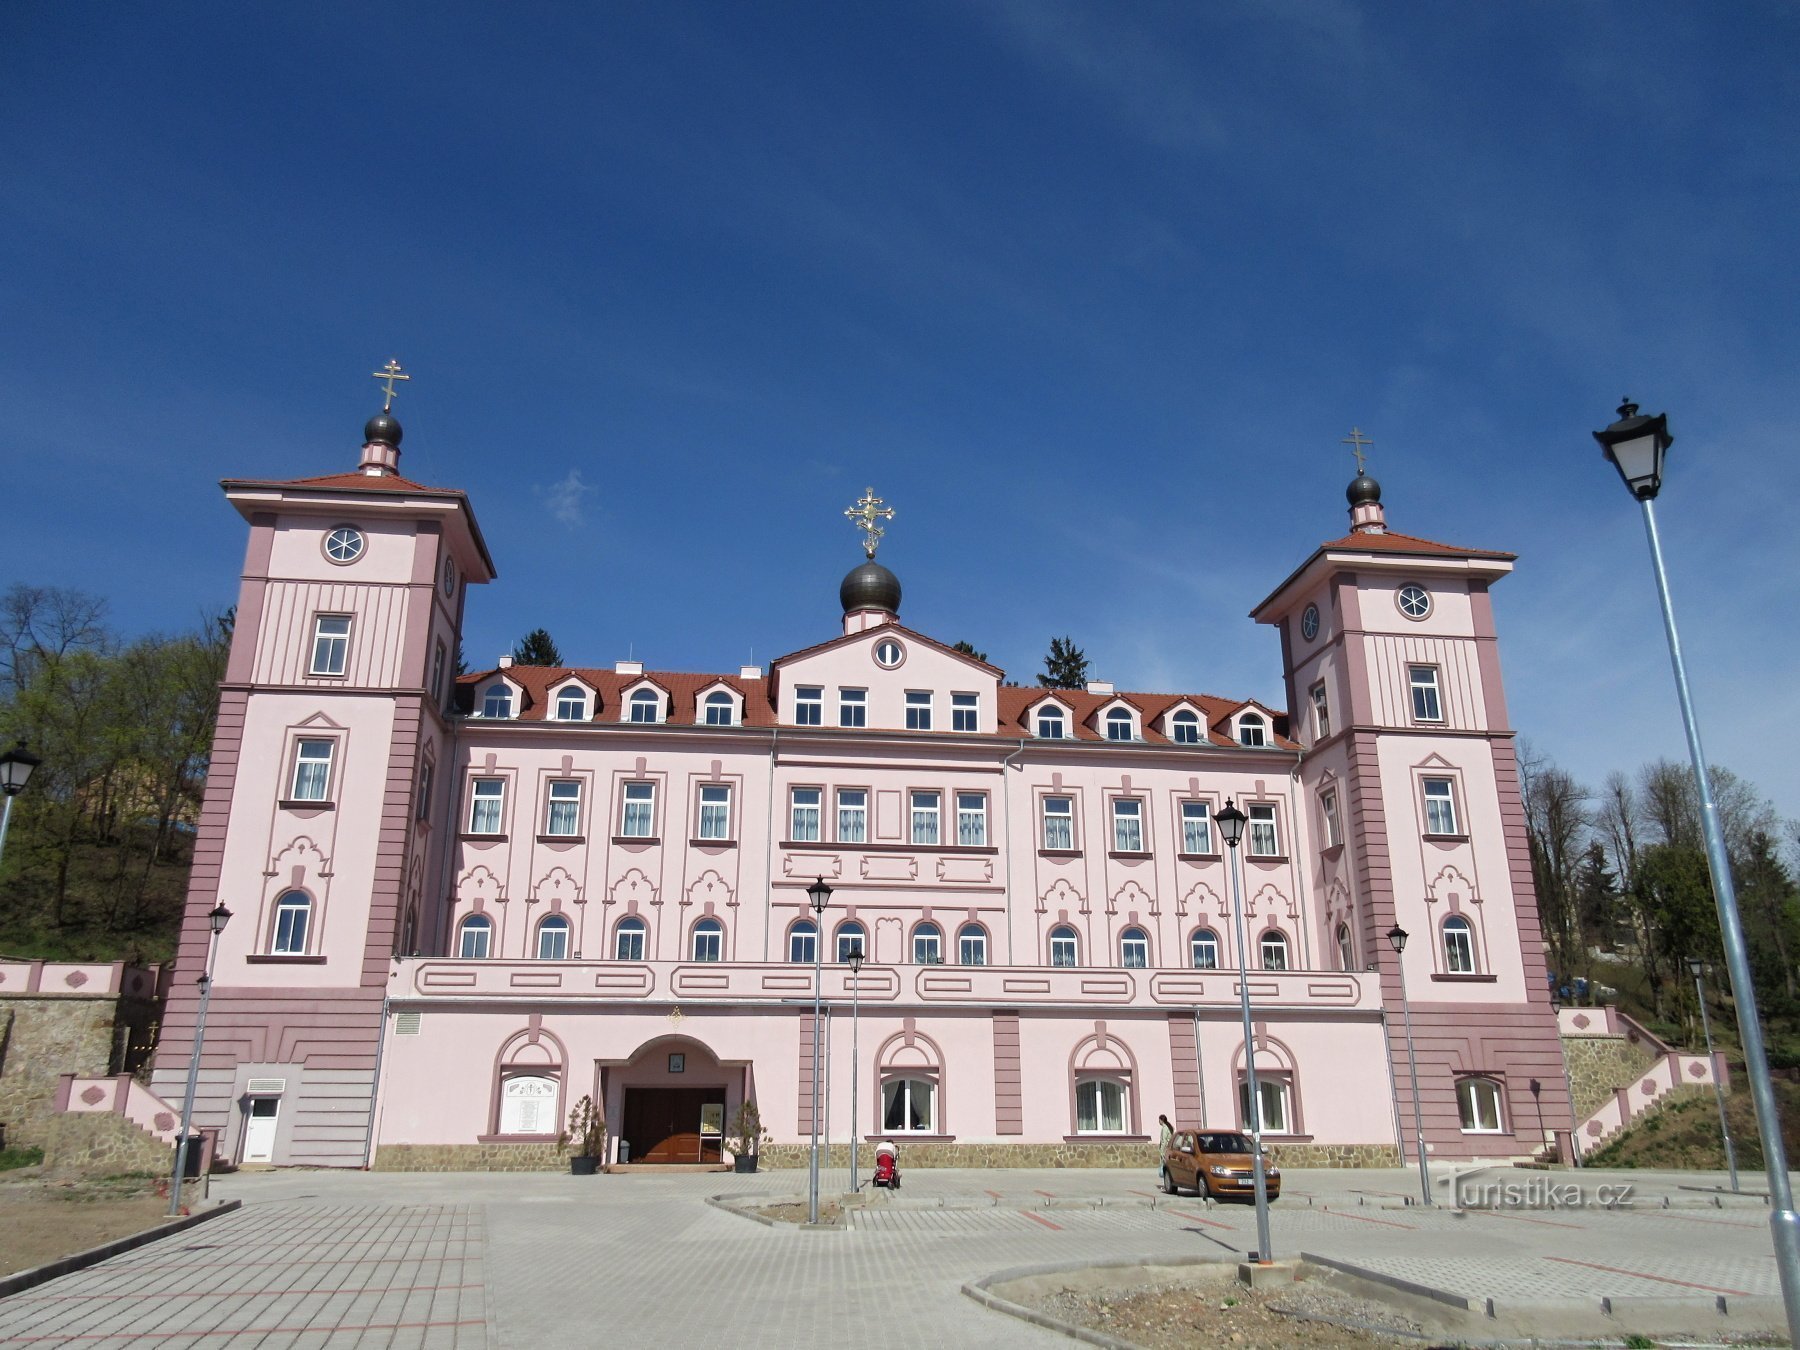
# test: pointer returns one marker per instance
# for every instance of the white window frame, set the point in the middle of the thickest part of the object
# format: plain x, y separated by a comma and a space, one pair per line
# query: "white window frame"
1253, 730
1065, 947
476, 925
971, 939
928, 944
499, 694
1128, 825
1468, 1108
344, 544
631, 939
918, 710
853, 707
637, 810
1119, 717
1196, 828
312, 779
715, 812
1064, 818
330, 645
422, 807
1427, 695
1207, 939
554, 926
571, 695
1264, 830
708, 941
971, 819
965, 712
1102, 1106
719, 709
1048, 713
849, 933
1184, 727
1439, 795
803, 937
853, 816
439, 658
809, 705
1274, 943
487, 806
285, 940
1345, 947
647, 701
806, 809
1458, 936
562, 808
925, 812
902, 1091
1277, 1104
1321, 704
1334, 825
1134, 942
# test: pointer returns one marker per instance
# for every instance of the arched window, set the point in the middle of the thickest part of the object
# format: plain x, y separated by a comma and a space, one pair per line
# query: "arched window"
1251, 729
1100, 1106
628, 943
1274, 951
497, 702
803, 939
1203, 947
553, 939
1186, 727
477, 938
1343, 947
1478, 1102
928, 945
644, 705
709, 940
571, 704
1459, 946
409, 932
909, 1106
1065, 947
971, 945
293, 916
719, 709
1118, 725
1134, 949
850, 935
1050, 724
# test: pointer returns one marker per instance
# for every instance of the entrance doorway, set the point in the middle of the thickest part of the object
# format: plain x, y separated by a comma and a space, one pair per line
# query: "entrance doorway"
259, 1129
675, 1125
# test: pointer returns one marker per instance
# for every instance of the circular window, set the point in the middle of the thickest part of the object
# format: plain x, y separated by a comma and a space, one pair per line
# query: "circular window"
344, 544
889, 653
1414, 602
449, 576
1309, 623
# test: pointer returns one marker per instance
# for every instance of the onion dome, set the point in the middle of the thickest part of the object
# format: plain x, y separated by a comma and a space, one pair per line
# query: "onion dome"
1363, 489
382, 429
870, 586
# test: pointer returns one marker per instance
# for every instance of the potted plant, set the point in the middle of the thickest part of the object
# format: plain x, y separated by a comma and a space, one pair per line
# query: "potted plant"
586, 1135
747, 1137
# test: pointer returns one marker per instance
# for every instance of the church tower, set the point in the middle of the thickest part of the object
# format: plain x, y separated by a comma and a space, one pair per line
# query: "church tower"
317, 827
1410, 787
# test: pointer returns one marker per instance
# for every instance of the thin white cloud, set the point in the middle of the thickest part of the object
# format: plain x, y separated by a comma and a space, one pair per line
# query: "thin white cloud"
564, 498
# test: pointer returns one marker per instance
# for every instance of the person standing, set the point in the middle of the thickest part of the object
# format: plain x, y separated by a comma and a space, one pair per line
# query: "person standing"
1164, 1138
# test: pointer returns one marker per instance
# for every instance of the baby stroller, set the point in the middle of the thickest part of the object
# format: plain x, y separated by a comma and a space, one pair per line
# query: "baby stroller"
887, 1165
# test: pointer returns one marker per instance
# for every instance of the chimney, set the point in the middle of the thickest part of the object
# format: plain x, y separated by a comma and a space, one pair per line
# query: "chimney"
506, 663
1099, 686
628, 667
749, 672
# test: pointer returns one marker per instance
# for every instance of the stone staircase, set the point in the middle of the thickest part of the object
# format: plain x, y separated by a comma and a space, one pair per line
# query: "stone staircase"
109, 1125
1618, 1070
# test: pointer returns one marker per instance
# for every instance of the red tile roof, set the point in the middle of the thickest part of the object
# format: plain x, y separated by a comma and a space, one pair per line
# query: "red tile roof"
1391, 542
1016, 704
365, 482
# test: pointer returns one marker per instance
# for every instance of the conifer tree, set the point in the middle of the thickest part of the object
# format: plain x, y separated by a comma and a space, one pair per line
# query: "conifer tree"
537, 648
1066, 667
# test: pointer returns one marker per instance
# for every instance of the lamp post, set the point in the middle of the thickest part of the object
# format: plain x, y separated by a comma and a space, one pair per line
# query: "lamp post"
856, 960
1636, 446
15, 769
1718, 1087
1397, 937
217, 918
1231, 827
820, 896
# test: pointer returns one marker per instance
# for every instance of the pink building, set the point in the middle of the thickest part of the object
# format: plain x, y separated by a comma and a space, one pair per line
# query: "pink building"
462, 904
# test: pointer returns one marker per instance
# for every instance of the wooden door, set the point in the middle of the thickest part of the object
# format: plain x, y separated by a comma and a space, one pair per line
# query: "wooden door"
662, 1125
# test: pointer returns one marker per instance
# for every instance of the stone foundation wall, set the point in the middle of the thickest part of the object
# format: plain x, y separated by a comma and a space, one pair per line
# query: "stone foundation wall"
101, 1144
545, 1157
1598, 1065
40, 1039
1068, 1155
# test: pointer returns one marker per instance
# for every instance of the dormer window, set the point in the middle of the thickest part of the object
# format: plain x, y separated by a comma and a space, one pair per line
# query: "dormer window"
644, 706
1120, 726
571, 704
497, 701
1252, 729
720, 709
1184, 728
1050, 723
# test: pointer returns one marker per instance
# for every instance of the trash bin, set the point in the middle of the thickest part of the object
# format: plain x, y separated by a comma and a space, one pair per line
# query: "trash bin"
624, 1150
195, 1162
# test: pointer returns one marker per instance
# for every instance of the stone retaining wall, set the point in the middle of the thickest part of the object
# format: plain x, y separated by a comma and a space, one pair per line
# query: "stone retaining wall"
545, 1157
101, 1144
1070, 1155
1600, 1064
41, 1039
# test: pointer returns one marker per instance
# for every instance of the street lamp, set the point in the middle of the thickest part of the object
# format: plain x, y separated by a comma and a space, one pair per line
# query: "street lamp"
217, 917
1397, 938
1718, 1087
855, 957
15, 768
1636, 446
820, 896
1231, 828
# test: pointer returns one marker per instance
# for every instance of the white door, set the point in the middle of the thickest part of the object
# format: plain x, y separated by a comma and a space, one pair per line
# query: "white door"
259, 1130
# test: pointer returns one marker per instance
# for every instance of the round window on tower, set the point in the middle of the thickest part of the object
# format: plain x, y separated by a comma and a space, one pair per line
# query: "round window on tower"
889, 653
1414, 601
1309, 623
449, 577
344, 544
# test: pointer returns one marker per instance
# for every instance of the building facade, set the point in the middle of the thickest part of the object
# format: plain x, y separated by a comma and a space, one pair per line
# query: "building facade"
462, 904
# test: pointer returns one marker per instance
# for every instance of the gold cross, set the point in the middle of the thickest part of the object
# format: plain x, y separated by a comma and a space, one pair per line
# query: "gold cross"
864, 515
388, 374
1356, 441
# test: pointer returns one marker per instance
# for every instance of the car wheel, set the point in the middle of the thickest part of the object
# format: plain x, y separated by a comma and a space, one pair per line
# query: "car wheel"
1167, 1183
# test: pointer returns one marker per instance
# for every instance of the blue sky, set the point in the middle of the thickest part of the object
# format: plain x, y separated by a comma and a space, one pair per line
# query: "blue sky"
1091, 293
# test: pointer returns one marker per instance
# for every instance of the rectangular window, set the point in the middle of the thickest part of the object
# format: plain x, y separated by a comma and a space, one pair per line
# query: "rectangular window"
564, 814
1128, 825
1265, 842
1059, 823
965, 712
1334, 829
1321, 712
1272, 1093
422, 808
928, 946
809, 705
437, 675
971, 947
853, 815
571, 705
1100, 1107
312, 771
1196, 827
486, 798
1440, 806
971, 819
331, 644
1426, 705
715, 811
925, 810
803, 815
639, 818
918, 710
853, 707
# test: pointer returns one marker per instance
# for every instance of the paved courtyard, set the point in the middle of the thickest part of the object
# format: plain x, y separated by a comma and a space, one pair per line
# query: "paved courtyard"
536, 1260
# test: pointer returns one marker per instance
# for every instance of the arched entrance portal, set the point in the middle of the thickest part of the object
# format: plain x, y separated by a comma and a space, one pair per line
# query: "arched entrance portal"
671, 1100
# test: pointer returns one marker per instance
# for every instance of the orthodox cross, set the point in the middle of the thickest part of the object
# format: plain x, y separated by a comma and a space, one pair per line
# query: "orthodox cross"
388, 374
1356, 441
864, 515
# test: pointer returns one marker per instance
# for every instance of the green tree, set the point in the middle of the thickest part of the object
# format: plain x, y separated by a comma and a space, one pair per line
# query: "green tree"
537, 648
1066, 667
968, 649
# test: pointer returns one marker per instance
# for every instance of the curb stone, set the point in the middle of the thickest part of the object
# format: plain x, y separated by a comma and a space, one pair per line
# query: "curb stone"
93, 1256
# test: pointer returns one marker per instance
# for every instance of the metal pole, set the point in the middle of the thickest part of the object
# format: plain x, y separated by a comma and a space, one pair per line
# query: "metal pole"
812, 1180
1412, 1064
855, 1067
1262, 1253
5, 820
1784, 1223
1718, 1087
193, 1079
